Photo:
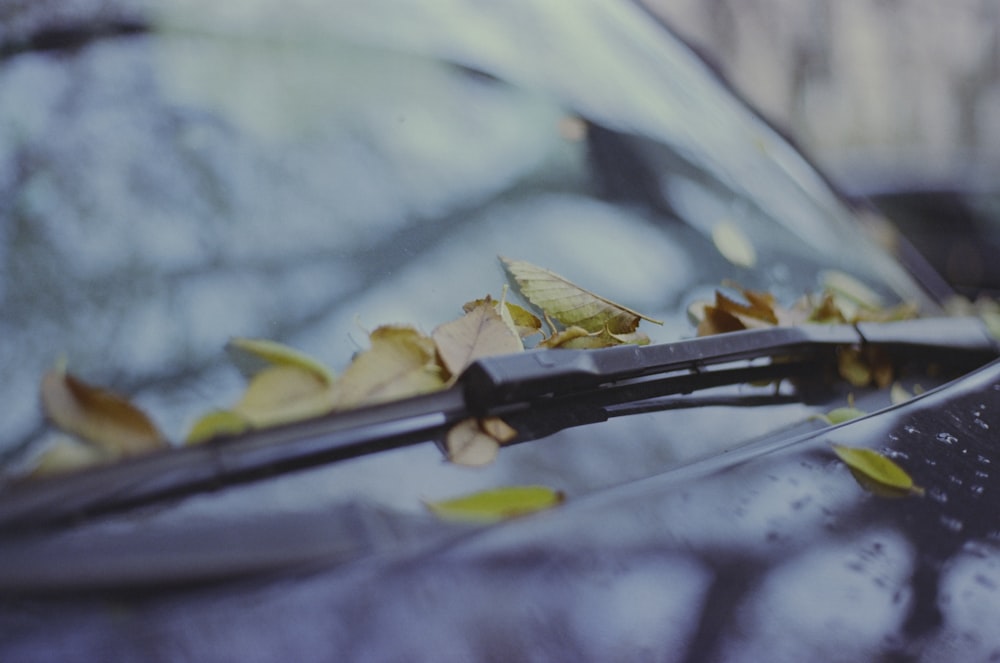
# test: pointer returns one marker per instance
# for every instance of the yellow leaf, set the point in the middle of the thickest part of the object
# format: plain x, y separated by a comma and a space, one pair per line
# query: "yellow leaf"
282, 394
253, 355
603, 339
839, 415
733, 244
569, 303
68, 455
108, 421
401, 362
523, 321
852, 367
479, 333
877, 473
498, 504
498, 429
217, 423
898, 394
561, 338
469, 445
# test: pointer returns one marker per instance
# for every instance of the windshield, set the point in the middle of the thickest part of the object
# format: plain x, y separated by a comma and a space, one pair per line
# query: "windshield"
306, 175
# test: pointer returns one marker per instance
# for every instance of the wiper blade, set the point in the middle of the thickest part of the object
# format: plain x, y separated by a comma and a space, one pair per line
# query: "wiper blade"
504, 386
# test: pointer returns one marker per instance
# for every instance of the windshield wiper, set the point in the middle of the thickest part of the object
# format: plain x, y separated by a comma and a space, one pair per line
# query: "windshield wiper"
563, 388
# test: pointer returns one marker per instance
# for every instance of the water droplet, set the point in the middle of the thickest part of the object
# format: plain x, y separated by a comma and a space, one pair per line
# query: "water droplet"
982, 424
982, 475
954, 524
976, 489
947, 438
911, 429
983, 459
937, 495
955, 480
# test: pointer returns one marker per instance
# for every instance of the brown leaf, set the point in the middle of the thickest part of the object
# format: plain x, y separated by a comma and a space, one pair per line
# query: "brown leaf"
481, 332
569, 303
108, 421
401, 362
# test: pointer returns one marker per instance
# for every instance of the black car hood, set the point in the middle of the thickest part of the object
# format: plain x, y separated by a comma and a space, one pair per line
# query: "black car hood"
770, 552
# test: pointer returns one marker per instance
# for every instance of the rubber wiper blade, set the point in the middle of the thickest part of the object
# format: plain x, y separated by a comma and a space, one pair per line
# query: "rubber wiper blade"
492, 386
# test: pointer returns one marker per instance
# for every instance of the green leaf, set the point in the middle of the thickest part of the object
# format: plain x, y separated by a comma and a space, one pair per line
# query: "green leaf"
569, 303
497, 504
877, 473
839, 415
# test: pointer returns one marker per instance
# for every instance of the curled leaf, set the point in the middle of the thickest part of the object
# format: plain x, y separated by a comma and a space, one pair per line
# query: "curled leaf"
469, 445
498, 504
560, 339
401, 362
217, 423
569, 303
282, 394
733, 244
876, 472
252, 355
104, 419
68, 455
523, 321
841, 414
898, 394
481, 332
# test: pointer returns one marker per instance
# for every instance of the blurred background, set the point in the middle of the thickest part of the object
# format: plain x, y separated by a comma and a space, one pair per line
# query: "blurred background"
866, 87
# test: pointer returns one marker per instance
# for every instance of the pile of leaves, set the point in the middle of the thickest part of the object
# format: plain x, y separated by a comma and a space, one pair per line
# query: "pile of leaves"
285, 385
842, 300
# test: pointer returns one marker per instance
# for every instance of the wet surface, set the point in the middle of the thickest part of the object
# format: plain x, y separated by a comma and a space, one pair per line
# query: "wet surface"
163, 191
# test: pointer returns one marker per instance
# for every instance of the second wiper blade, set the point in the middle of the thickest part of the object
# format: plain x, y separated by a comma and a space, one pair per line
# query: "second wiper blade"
492, 386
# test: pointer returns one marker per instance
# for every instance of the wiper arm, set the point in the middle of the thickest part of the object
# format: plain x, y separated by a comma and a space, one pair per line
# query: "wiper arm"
504, 386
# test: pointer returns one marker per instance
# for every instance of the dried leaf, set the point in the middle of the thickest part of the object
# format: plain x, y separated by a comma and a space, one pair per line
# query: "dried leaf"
898, 394
569, 303
217, 423
561, 338
839, 415
254, 355
497, 504
875, 471
733, 244
728, 315
469, 445
843, 285
603, 339
498, 429
481, 332
282, 394
108, 421
523, 321
852, 367
68, 455
401, 362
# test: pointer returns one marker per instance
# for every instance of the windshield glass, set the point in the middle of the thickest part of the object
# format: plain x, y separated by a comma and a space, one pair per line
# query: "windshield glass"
306, 175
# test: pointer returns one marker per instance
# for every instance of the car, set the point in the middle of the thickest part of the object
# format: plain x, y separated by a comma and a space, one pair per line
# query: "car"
179, 175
